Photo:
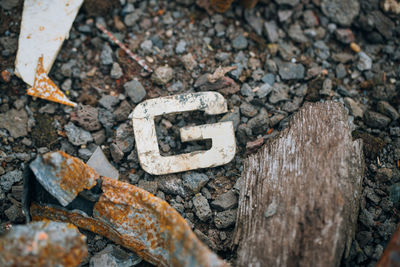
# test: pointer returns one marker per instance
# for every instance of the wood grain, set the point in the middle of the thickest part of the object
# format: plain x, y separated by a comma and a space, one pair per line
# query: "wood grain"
299, 196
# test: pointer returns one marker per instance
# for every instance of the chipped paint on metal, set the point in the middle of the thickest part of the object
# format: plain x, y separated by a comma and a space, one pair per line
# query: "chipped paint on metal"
43, 244
45, 88
129, 216
222, 134
45, 24
63, 176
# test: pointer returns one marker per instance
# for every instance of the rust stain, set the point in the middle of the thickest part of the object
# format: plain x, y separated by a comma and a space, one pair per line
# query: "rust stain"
43, 244
45, 88
133, 218
69, 169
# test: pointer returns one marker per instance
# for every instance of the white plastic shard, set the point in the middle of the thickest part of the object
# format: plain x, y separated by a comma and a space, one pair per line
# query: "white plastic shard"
45, 25
222, 134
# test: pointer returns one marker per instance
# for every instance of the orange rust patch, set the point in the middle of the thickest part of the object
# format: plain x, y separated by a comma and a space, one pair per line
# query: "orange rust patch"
45, 88
75, 175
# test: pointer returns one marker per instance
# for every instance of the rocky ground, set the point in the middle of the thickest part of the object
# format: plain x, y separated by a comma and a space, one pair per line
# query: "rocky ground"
286, 52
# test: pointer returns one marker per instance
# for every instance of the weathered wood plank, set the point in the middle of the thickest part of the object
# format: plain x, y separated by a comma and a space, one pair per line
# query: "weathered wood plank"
300, 193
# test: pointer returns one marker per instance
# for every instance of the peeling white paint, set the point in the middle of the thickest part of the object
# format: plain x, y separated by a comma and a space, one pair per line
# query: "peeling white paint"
45, 25
222, 134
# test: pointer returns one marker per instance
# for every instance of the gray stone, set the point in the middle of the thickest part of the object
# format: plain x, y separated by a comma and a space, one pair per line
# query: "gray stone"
189, 62
171, 184
66, 68
245, 90
108, 101
272, 31
254, 21
264, 90
124, 137
224, 219
99, 162
310, 18
222, 56
280, 92
180, 47
135, 90
384, 174
151, 186
345, 36
7, 180
122, 112
385, 108
9, 4
87, 117
296, 33
113, 256
162, 75
341, 71
116, 71
84, 153
16, 122
268, 78
147, 46
364, 61
353, 107
287, 2
232, 116
76, 135
66, 85
248, 110
259, 124
274, 120
131, 18
106, 118
194, 181
116, 153
341, 11
291, 71
99, 137
225, 201
176, 86
376, 120
202, 208
14, 214
240, 42
9, 43
106, 55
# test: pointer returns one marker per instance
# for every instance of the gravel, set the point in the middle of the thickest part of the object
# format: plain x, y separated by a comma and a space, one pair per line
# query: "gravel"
135, 90
287, 52
202, 208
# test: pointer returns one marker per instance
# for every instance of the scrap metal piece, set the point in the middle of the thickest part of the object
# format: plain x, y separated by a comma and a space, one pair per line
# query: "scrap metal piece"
133, 56
99, 162
45, 88
45, 24
57, 172
43, 244
133, 218
222, 134
391, 254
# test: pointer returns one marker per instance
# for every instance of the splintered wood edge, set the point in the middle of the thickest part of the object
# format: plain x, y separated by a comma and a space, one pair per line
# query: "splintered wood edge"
332, 117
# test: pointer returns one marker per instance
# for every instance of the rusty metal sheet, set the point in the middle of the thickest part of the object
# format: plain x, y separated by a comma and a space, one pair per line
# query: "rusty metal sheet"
222, 134
58, 172
133, 218
391, 254
43, 244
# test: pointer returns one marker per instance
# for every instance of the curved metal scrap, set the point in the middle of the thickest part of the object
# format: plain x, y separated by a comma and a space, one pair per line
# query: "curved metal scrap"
43, 244
58, 172
137, 220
